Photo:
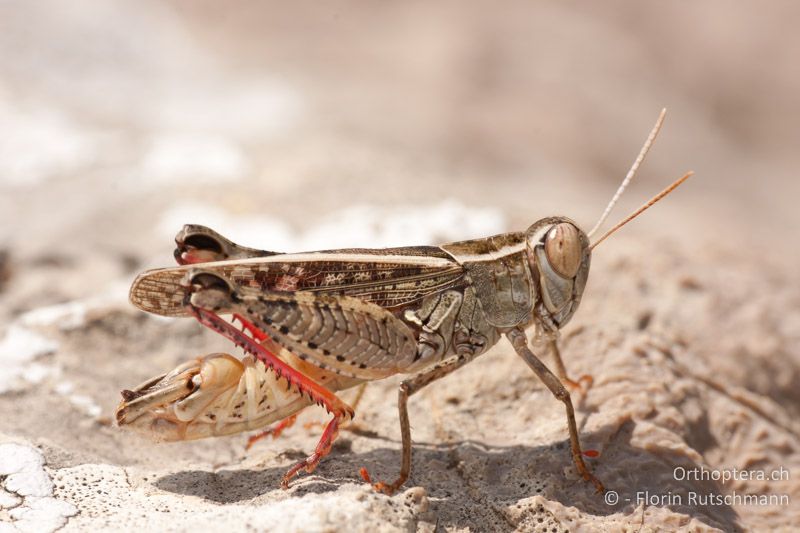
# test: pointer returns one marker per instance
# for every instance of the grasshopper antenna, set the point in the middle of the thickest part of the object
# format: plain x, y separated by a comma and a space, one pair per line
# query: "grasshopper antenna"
639, 211
632, 172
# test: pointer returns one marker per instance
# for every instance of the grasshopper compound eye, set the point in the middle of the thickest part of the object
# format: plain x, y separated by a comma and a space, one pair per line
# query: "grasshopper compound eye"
563, 248
559, 255
175, 406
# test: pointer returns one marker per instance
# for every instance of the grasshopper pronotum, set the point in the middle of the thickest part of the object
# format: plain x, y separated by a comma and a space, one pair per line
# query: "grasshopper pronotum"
319, 322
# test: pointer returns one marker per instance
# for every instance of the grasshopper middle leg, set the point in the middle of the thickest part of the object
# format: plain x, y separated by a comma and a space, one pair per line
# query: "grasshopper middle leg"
407, 388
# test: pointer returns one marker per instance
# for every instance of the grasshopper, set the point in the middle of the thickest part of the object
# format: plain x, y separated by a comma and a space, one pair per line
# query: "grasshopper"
319, 322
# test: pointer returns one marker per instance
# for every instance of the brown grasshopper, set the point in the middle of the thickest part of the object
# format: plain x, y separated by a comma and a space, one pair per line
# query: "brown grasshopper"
318, 322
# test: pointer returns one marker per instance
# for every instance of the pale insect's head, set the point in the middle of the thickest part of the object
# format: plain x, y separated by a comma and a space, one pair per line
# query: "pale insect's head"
559, 256
175, 406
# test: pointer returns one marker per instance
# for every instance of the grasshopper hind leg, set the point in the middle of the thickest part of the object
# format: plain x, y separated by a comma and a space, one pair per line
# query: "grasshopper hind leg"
323, 448
317, 393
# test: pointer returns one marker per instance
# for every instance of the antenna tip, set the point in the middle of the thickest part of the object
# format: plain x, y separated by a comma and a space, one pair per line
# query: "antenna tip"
649, 203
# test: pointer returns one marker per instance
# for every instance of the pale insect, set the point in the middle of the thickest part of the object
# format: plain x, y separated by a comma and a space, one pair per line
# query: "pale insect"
319, 322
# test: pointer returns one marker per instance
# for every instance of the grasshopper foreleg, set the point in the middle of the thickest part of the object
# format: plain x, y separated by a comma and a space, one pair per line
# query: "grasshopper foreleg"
407, 388
520, 343
274, 431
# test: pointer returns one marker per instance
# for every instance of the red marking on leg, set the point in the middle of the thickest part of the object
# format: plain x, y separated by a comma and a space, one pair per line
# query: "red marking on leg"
591, 453
275, 431
318, 394
365, 475
380, 486
323, 448
252, 328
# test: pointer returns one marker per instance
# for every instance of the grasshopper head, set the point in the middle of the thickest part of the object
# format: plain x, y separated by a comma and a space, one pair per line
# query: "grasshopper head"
170, 407
559, 256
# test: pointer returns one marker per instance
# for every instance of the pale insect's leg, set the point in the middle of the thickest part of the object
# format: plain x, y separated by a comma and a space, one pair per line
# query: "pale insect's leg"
353, 426
358, 396
274, 431
561, 371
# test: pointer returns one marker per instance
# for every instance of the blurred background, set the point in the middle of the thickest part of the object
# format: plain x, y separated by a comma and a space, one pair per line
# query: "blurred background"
361, 123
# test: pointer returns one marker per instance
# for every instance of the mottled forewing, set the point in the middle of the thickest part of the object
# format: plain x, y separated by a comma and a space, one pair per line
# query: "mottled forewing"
391, 278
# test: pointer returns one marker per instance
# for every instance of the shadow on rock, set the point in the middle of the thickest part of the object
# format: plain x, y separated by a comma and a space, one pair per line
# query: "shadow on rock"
469, 482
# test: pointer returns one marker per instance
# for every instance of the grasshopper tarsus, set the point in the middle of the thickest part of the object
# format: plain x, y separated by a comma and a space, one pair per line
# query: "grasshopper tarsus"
309, 464
598, 485
386, 488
